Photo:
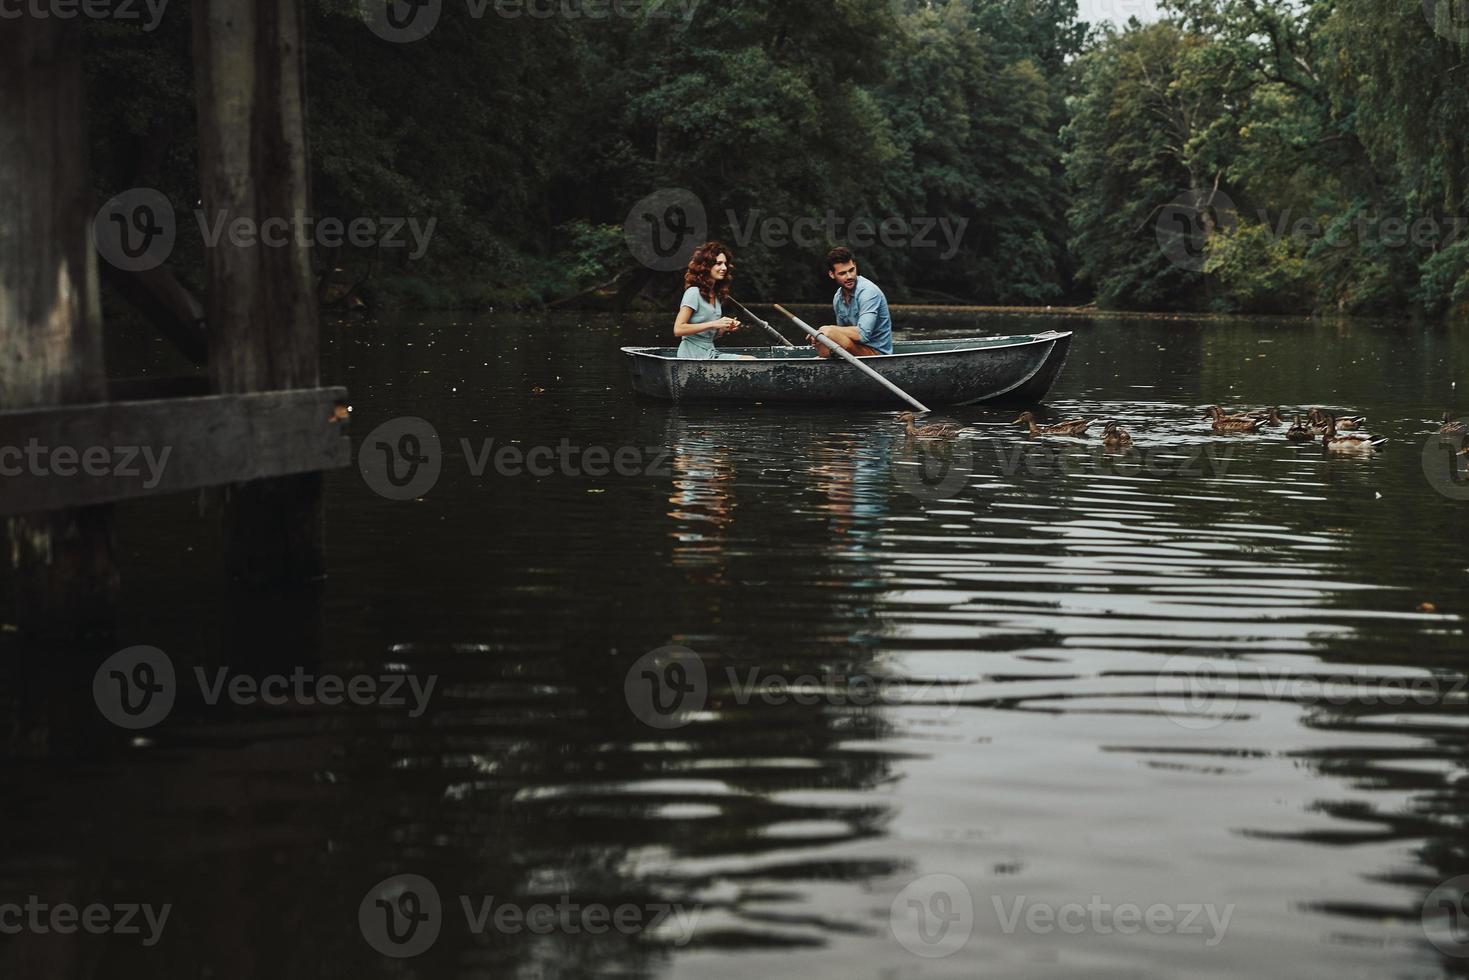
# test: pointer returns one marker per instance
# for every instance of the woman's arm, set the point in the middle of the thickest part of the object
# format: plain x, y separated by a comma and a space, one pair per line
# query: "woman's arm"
683, 328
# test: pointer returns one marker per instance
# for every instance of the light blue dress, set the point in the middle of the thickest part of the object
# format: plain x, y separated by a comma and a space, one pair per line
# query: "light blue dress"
700, 346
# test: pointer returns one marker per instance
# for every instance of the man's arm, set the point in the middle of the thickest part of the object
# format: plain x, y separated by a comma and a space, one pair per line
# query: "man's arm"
868, 309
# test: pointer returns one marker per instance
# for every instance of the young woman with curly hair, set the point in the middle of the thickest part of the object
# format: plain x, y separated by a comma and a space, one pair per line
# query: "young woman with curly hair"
701, 316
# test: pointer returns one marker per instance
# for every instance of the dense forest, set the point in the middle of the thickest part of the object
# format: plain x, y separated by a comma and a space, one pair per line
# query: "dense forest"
1235, 155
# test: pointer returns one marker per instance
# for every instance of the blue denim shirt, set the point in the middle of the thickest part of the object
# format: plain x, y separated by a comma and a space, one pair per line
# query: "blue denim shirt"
868, 312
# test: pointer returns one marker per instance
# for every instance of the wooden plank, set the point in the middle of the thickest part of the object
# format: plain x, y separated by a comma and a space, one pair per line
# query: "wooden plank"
151, 389
79, 455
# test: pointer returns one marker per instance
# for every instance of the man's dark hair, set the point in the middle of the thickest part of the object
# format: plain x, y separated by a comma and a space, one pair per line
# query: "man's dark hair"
838, 256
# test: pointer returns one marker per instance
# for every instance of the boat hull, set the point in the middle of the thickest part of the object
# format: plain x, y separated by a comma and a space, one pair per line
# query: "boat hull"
988, 370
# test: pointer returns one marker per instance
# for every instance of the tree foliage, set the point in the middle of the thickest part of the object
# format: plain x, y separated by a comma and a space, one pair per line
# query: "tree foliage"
1334, 129
1319, 144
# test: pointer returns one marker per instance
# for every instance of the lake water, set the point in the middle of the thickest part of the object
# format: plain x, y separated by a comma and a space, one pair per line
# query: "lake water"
789, 696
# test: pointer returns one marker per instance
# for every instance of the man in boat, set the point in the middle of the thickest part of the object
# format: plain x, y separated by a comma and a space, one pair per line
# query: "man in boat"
864, 326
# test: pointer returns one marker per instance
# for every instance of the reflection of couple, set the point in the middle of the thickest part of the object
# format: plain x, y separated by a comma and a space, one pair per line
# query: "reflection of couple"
864, 326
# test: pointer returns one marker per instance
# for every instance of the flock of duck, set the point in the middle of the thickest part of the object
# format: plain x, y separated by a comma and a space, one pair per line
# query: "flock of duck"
1336, 433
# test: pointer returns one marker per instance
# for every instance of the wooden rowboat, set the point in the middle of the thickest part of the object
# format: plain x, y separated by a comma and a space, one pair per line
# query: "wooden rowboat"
964, 371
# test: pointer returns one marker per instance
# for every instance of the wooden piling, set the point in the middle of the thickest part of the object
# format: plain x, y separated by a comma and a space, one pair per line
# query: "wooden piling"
249, 61
65, 580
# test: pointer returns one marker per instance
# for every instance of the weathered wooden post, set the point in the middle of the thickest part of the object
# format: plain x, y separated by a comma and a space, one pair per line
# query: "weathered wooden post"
249, 62
50, 321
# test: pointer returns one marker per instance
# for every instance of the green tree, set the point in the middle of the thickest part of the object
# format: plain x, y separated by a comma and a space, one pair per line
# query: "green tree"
1154, 122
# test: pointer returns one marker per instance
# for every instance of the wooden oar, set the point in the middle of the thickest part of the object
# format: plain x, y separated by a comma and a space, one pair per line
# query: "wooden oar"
773, 332
841, 352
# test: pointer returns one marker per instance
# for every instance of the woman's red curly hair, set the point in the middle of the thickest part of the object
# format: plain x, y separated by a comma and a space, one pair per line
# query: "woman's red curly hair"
698, 273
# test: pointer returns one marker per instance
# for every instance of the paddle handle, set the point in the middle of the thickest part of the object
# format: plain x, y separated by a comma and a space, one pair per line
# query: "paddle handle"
841, 352
773, 332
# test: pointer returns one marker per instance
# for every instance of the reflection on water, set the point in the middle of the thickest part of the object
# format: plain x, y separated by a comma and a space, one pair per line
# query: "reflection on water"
702, 505
980, 698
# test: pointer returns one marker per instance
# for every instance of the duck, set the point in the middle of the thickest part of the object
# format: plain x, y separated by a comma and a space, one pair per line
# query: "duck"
1299, 432
1316, 421
1073, 427
1233, 423
1266, 416
1332, 442
929, 430
1320, 421
1453, 427
1216, 413
1115, 436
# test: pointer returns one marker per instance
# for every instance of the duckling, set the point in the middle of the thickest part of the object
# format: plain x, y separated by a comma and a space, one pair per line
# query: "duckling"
929, 430
1074, 427
1115, 436
1231, 423
1299, 432
1331, 442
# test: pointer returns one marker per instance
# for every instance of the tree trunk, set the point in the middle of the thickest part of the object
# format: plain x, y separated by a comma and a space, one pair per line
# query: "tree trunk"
260, 308
50, 319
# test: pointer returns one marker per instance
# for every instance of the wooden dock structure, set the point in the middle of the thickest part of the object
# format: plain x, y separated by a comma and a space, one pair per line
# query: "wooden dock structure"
259, 425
